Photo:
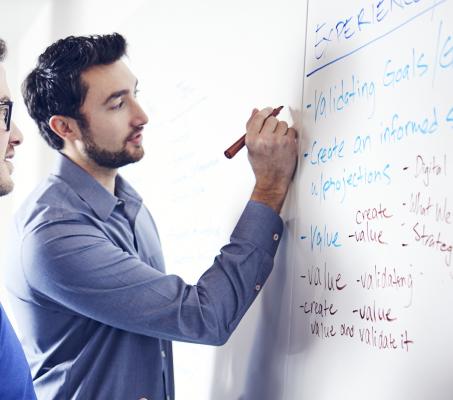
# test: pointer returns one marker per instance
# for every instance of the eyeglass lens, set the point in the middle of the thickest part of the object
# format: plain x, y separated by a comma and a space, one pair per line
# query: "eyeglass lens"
5, 116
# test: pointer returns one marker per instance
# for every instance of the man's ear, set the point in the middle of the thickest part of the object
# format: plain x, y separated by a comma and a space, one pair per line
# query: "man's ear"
65, 127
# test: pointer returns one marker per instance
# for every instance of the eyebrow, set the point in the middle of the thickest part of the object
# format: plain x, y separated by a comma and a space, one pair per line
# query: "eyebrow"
117, 94
5, 98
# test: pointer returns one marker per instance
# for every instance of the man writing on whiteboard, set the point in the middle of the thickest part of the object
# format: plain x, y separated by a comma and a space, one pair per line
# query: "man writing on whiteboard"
88, 280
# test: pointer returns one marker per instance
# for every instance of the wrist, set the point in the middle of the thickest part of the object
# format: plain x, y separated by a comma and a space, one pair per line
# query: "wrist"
273, 198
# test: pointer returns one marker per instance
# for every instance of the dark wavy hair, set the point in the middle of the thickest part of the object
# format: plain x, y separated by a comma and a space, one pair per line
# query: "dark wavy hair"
3, 50
55, 86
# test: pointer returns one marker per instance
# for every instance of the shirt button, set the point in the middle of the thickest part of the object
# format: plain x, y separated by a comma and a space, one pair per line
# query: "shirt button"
258, 288
163, 354
275, 237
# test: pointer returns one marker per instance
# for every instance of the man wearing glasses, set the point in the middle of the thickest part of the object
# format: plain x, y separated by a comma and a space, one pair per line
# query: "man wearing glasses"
15, 378
10, 136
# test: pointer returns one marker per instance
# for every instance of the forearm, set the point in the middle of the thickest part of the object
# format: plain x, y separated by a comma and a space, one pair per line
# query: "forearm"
72, 264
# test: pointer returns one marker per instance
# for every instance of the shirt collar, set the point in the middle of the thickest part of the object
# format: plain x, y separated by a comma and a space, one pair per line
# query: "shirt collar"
101, 201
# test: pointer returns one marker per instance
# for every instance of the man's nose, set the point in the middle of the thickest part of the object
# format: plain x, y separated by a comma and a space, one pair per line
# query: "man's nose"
140, 117
15, 137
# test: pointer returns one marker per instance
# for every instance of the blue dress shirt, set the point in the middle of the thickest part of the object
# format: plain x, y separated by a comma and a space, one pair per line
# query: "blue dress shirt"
89, 290
15, 378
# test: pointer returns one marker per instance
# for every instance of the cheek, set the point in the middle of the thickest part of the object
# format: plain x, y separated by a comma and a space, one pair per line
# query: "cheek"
109, 135
4, 140
105, 141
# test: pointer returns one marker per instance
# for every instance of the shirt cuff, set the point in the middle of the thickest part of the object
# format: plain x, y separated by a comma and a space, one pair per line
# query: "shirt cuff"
260, 225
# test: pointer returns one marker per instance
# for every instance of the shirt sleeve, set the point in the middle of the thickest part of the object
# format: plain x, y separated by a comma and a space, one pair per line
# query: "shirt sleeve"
73, 263
15, 377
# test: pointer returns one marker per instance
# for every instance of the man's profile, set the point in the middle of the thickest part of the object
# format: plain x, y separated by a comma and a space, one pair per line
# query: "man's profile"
15, 379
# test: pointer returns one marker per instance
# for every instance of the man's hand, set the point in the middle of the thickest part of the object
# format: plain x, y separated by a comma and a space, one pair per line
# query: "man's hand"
272, 151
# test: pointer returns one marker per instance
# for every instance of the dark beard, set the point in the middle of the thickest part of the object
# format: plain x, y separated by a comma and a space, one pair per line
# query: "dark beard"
108, 159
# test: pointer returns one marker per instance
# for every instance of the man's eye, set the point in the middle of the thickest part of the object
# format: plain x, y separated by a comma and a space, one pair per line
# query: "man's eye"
118, 106
136, 92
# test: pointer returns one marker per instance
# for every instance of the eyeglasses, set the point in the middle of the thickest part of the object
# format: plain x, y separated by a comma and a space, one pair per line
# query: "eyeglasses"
6, 107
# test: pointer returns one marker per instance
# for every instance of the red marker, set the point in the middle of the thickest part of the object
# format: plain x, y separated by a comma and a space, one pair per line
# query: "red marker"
238, 145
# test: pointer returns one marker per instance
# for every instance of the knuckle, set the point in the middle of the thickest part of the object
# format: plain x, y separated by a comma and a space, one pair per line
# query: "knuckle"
271, 121
292, 132
283, 125
266, 111
259, 119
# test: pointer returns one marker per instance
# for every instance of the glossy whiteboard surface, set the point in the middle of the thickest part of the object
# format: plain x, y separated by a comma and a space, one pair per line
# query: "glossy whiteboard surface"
373, 261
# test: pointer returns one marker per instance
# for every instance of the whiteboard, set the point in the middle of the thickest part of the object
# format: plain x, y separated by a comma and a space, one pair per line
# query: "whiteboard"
372, 263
